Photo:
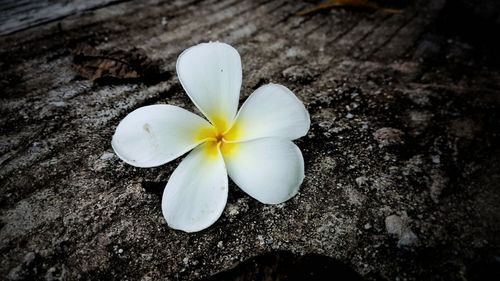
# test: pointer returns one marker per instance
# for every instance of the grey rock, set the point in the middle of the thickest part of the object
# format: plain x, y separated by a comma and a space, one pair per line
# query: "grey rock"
361, 181
388, 136
29, 259
407, 238
394, 225
107, 156
398, 227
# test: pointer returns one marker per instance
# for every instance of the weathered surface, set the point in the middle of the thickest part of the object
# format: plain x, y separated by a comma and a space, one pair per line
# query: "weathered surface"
421, 204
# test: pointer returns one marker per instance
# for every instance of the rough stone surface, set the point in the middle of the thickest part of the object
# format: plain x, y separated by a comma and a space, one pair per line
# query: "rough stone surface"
84, 214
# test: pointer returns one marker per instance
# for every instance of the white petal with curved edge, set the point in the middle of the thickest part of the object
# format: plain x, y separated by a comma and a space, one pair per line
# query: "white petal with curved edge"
154, 135
270, 169
196, 192
211, 75
271, 111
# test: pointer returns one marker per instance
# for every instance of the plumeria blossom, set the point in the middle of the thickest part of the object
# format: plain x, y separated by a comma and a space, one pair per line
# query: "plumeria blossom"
253, 145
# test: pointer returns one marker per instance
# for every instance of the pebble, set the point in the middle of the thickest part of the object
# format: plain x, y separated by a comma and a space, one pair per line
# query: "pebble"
361, 180
233, 210
29, 258
408, 238
388, 136
261, 240
436, 159
399, 227
107, 156
394, 225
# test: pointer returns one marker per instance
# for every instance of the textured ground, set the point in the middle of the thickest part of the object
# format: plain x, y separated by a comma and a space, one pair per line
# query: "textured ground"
402, 159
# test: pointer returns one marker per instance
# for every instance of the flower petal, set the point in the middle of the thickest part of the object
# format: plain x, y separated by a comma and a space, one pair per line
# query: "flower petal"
271, 111
269, 169
154, 135
196, 192
211, 75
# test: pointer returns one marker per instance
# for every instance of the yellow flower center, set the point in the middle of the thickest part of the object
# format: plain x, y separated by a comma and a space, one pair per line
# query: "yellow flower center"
219, 136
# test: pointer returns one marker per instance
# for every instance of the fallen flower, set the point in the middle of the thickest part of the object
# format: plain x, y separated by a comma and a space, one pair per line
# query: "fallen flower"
253, 146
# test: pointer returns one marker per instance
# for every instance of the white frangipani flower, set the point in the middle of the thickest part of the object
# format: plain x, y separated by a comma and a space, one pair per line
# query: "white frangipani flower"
253, 146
